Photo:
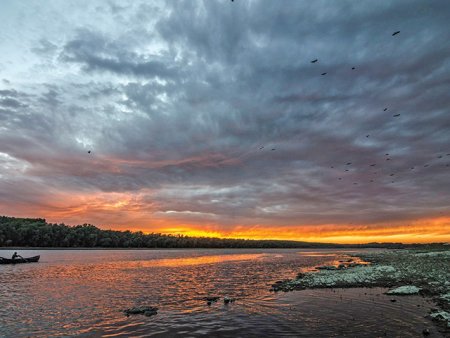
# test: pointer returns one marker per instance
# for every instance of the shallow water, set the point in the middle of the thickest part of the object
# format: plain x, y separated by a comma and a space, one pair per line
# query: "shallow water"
82, 293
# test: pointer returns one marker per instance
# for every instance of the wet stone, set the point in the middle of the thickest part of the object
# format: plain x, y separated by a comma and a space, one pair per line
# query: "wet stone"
326, 267
211, 299
141, 310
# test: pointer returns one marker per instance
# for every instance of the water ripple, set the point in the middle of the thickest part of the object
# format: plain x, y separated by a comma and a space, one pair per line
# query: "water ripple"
82, 293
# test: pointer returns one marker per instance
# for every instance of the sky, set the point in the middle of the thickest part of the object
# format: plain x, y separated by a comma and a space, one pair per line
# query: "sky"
209, 118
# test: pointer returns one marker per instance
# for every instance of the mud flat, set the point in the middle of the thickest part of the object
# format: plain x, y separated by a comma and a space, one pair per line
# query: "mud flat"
403, 272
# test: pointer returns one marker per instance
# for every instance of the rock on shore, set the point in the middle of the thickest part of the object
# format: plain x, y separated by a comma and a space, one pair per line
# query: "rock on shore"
406, 272
142, 310
404, 290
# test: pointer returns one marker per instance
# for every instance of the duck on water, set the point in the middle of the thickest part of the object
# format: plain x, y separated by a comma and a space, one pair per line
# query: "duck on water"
17, 259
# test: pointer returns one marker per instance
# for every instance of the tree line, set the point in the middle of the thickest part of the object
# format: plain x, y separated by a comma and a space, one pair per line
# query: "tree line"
36, 232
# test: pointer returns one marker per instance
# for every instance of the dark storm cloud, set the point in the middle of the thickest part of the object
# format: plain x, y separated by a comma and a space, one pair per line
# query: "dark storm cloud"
10, 102
45, 47
183, 107
96, 52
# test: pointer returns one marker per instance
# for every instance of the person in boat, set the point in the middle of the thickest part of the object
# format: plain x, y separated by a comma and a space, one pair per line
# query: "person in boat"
15, 256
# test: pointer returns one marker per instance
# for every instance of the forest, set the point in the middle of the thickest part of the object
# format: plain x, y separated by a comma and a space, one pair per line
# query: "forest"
36, 232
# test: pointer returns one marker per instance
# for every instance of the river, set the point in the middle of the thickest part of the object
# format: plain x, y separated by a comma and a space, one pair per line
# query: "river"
83, 293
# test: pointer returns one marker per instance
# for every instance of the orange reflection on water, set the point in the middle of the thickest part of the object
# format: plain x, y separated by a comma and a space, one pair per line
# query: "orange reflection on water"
316, 254
343, 261
176, 262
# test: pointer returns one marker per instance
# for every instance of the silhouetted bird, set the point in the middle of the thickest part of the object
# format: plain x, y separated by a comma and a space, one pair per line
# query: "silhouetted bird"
324, 73
332, 167
368, 135
386, 154
440, 156
346, 169
261, 148
396, 115
273, 148
391, 175
395, 33
89, 151
340, 178
426, 165
384, 109
371, 180
314, 61
373, 165
388, 159
412, 168
353, 68
349, 163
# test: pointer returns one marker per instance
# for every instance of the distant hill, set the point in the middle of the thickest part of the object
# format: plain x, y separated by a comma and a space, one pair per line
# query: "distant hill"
36, 232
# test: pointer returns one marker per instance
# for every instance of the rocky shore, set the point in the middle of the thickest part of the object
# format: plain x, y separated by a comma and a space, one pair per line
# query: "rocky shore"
404, 272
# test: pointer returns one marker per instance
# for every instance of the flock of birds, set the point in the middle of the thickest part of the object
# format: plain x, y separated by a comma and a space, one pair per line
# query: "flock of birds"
388, 158
348, 164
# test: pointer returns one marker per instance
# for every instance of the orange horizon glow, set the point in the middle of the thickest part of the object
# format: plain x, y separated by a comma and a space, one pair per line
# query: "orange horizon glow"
433, 230
121, 211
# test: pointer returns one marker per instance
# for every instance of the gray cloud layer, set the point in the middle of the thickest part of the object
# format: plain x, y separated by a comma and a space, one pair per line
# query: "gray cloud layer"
177, 100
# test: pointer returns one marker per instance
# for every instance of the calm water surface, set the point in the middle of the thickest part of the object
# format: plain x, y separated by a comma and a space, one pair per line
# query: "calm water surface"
82, 293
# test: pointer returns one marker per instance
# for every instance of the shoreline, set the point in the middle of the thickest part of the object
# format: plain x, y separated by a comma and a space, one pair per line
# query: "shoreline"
142, 249
402, 272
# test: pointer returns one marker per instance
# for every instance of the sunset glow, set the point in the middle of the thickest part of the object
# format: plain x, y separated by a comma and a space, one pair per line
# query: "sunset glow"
99, 208
243, 119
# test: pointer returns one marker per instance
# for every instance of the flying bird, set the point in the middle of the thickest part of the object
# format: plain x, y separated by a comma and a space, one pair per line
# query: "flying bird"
314, 61
353, 68
387, 154
396, 115
349, 163
89, 151
388, 159
391, 175
261, 148
395, 33
273, 148
367, 135
384, 109
373, 165
324, 73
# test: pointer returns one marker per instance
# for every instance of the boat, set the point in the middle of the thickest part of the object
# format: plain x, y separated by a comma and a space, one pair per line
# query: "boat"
34, 259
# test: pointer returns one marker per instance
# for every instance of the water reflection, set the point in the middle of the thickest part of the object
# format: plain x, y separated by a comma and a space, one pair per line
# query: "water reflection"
83, 293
